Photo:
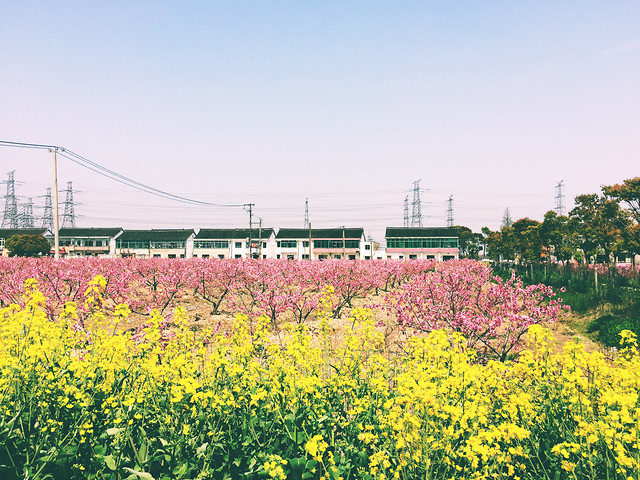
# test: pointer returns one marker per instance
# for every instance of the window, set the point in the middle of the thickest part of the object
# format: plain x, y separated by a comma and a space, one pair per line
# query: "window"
264, 256
238, 256
431, 257
367, 246
172, 255
210, 244
400, 257
305, 256
422, 243
278, 257
305, 244
336, 244
157, 255
182, 255
367, 257
221, 257
287, 244
264, 244
352, 257
413, 257
447, 257
238, 245
205, 256
337, 256
291, 257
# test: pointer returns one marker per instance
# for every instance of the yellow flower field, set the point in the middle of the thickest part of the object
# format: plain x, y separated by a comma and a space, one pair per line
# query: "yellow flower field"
105, 402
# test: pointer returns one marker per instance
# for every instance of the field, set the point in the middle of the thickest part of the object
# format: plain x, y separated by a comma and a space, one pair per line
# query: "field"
125, 368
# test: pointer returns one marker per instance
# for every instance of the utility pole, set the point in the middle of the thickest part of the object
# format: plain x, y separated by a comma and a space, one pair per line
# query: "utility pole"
56, 218
343, 244
306, 213
310, 254
559, 198
69, 216
47, 217
406, 211
10, 218
26, 216
450, 211
250, 207
416, 213
260, 240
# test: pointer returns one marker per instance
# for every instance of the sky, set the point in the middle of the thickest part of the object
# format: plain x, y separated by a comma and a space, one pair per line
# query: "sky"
343, 103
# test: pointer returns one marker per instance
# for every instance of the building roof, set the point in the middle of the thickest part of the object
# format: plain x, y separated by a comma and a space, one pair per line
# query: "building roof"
10, 232
421, 232
89, 232
320, 233
155, 235
232, 233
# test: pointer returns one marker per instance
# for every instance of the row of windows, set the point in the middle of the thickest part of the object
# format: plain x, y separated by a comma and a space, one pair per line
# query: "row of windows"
210, 244
147, 244
422, 243
336, 243
84, 242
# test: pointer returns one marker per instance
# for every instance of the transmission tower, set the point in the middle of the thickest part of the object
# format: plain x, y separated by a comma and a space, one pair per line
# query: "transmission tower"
506, 218
416, 213
10, 218
559, 198
450, 211
69, 216
306, 213
26, 216
47, 217
406, 211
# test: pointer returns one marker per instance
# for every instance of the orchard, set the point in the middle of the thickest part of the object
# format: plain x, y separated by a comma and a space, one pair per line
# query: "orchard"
105, 374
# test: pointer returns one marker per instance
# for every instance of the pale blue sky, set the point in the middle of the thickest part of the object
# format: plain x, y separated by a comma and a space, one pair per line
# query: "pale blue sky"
346, 103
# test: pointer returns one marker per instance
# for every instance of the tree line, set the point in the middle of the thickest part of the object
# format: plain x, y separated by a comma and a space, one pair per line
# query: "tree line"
602, 228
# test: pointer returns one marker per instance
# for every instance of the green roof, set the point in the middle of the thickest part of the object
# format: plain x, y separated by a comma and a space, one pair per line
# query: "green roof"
10, 232
320, 233
89, 232
421, 232
155, 235
232, 233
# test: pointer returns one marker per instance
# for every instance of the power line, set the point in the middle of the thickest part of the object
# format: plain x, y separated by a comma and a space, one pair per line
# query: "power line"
104, 171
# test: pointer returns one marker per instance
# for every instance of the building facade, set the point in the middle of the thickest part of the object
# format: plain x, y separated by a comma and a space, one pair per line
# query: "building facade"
155, 243
234, 243
326, 243
91, 242
436, 243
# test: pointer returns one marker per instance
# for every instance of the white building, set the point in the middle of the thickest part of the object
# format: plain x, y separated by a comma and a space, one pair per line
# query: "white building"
155, 243
437, 243
349, 243
234, 243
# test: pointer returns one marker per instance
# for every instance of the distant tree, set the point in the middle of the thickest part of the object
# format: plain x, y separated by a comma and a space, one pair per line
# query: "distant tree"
501, 245
469, 242
27, 245
558, 236
600, 222
629, 193
506, 218
526, 236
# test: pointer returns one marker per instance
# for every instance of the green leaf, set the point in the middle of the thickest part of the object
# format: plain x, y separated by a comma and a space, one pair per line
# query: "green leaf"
179, 472
142, 475
110, 461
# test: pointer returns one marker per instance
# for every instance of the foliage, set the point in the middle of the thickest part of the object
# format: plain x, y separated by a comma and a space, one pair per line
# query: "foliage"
98, 401
493, 314
609, 328
27, 245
